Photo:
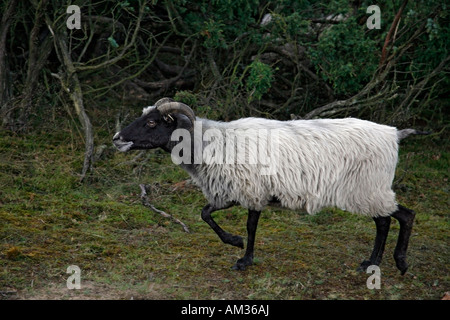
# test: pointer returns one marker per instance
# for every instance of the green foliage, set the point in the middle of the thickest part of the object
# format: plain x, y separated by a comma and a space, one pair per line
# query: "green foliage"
435, 44
186, 97
214, 21
212, 31
291, 26
345, 56
259, 79
304, 59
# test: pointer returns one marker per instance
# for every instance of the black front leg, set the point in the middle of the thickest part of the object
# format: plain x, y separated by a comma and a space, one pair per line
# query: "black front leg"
252, 224
223, 235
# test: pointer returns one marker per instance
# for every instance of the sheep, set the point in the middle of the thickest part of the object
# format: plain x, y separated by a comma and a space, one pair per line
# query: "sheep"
348, 163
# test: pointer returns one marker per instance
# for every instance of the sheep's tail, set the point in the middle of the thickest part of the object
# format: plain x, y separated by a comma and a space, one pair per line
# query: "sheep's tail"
402, 134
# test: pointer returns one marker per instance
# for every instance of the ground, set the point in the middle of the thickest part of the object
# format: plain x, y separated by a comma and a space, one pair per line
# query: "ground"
49, 221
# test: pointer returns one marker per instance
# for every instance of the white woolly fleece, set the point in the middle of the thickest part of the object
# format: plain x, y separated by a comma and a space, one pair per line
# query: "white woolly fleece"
348, 163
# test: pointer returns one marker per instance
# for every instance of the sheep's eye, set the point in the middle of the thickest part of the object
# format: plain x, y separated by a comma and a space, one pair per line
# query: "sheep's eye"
151, 123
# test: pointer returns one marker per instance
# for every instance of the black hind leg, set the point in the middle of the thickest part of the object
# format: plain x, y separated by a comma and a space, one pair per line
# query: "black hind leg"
405, 217
382, 224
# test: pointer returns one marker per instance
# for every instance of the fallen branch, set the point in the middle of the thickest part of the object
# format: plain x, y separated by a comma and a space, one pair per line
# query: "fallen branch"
147, 204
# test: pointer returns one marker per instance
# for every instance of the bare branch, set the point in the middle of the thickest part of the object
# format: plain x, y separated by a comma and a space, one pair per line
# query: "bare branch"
129, 77
70, 83
391, 31
124, 50
414, 91
167, 82
147, 204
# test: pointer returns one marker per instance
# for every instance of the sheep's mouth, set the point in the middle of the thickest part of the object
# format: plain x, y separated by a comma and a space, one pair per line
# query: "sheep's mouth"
120, 144
123, 146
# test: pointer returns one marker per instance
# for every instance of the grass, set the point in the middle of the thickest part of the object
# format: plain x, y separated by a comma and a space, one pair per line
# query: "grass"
49, 221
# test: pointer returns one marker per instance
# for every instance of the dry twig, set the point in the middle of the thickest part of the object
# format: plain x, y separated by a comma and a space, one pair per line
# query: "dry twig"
147, 204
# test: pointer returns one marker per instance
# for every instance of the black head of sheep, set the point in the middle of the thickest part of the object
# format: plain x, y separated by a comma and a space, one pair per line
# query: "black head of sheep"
155, 127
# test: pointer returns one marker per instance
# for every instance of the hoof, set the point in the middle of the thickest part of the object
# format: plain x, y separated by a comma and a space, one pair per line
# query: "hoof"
242, 264
401, 265
363, 266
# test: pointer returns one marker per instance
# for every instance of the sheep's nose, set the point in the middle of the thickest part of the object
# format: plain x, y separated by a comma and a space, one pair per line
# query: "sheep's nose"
116, 136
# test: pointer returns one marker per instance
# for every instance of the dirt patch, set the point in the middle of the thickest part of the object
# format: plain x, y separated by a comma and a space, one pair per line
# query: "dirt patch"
89, 291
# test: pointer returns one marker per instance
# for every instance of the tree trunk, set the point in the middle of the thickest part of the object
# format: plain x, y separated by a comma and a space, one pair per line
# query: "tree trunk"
5, 84
37, 57
71, 84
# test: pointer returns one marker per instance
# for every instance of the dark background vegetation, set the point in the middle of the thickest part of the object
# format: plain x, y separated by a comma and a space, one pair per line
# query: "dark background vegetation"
66, 197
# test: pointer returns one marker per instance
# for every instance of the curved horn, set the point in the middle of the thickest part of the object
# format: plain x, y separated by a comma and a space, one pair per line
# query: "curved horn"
162, 101
176, 107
